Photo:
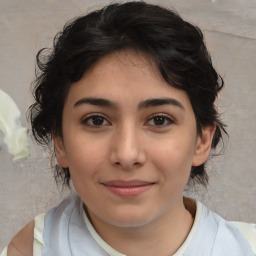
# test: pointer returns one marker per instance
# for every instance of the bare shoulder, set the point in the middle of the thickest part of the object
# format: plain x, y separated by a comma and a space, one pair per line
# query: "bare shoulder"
22, 243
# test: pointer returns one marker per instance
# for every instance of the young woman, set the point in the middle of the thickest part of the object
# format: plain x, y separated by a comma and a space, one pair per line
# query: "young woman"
127, 96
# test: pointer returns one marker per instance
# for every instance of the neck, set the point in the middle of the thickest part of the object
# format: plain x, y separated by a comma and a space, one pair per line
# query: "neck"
163, 236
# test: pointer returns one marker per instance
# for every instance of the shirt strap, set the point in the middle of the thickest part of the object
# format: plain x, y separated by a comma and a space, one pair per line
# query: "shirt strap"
38, 235
248, 230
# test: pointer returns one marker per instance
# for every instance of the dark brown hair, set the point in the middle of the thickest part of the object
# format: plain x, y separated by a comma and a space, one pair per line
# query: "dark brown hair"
176, 46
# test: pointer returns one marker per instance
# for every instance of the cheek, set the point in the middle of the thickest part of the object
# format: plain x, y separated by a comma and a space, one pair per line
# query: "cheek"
174, 160
85, 158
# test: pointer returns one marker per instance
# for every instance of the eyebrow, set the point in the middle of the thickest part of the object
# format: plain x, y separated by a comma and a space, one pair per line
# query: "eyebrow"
159, 102
96, 102
142, 105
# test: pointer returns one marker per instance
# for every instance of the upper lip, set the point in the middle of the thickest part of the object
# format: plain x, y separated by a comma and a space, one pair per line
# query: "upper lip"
130, 183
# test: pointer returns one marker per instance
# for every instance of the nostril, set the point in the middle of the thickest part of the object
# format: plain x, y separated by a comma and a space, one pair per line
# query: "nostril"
117, 163
127, 166
122, 156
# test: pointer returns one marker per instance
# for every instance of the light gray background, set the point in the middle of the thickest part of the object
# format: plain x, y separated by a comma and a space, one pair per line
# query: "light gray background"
27, 187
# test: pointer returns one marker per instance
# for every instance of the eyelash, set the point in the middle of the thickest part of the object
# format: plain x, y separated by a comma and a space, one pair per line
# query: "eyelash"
86, 120
167, 120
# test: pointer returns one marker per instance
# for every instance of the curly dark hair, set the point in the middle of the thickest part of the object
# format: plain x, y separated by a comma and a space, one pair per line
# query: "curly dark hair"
176, 46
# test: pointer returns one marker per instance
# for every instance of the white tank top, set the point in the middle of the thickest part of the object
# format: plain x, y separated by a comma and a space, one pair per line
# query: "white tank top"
66, 231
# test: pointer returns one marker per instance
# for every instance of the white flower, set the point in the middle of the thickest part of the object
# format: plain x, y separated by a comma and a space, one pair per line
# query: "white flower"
15, 136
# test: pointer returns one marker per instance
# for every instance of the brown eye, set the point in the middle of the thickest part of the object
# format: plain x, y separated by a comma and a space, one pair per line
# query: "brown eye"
160, 120
96, 121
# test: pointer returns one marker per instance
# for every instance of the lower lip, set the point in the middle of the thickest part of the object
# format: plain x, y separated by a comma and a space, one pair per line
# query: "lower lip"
129, 191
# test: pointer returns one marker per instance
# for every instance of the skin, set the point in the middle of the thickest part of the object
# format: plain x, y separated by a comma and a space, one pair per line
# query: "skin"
129, 156
127, 142
22, 243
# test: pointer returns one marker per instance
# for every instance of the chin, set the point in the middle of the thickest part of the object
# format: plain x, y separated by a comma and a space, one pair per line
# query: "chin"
131, 220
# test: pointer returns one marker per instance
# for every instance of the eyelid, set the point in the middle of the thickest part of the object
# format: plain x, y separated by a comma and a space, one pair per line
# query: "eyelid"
168, 117
88, 116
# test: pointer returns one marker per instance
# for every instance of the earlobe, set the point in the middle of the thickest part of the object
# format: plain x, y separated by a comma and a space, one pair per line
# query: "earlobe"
60, 151
203, 146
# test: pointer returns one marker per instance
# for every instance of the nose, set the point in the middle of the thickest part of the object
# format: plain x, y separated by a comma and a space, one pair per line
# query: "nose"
127, 150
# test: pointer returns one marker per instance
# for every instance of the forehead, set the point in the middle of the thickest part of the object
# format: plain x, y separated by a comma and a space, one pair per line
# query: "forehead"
130, 63
125, 76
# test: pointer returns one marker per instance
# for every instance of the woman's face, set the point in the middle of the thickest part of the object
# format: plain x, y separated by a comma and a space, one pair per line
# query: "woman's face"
129, 140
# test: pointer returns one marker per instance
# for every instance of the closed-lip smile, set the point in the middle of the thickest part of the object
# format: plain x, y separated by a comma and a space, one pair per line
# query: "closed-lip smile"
127, 188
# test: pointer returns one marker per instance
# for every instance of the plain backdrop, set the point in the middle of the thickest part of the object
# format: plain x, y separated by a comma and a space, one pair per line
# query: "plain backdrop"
27, 187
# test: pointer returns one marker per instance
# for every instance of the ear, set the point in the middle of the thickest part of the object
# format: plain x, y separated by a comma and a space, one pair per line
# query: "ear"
60, 151
203, 146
